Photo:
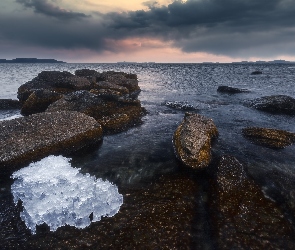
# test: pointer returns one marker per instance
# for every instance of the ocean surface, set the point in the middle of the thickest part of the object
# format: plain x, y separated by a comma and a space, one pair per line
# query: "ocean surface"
135, 158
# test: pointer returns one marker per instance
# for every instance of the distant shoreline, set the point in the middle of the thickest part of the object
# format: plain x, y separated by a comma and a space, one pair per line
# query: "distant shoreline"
30, 60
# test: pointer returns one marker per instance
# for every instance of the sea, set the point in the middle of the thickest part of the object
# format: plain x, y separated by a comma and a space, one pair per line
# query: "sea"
137, 158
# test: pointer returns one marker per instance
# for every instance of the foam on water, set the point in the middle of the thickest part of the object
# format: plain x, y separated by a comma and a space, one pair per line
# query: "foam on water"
57, 194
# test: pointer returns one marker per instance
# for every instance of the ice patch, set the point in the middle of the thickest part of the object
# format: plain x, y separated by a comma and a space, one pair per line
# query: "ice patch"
54, 193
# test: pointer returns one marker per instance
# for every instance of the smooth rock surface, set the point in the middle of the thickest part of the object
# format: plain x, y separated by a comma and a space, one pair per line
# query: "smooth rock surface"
272, 138
192, 140
278, 104
30, 138
242, 216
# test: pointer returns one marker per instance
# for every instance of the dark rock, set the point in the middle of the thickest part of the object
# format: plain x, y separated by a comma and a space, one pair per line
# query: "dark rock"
39, 101
9, 104
60, 82
180, 105
30, 138
111, 86
272, 138
192, 140
231, 90
117, 115
242, 216
256, 72
107, 94
280, 104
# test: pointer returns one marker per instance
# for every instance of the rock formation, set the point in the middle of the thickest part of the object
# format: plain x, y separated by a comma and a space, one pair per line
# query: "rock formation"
192, 140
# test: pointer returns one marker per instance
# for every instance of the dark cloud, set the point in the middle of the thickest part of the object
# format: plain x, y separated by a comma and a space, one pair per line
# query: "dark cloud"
46, 8
237, 28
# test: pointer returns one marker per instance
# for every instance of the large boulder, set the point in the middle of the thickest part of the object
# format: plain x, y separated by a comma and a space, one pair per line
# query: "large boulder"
230, 90
242, 216
60, 82
272, 138
114, 116
192, 140
280, 104
9, 104
30, 138
39, 101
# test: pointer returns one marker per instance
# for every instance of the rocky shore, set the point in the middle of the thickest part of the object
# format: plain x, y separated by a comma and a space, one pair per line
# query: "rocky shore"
64, 113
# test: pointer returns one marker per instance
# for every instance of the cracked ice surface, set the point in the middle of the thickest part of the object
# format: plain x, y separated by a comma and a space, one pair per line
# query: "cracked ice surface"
53, 192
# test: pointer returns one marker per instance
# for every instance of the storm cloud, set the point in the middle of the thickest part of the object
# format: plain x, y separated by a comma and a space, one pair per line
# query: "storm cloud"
46, 8
236, 28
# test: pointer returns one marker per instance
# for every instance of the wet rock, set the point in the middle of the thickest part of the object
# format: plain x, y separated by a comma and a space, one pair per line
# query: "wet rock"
242, 216
60, 82
192, 140
114, 116
30, 138
39, 101
256, 72
161, 217
111, 86
272, 138
280, 104
231, 90
9, 104
180, 105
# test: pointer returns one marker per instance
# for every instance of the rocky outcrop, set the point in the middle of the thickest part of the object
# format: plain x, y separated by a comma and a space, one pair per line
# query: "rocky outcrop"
242, 216
192, 140
278, 104
59, 82
39, 101
272, 138
30, 138
231, 90
9, 104
114, 116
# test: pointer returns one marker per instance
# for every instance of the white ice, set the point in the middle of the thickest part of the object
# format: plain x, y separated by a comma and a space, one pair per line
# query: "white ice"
55, 193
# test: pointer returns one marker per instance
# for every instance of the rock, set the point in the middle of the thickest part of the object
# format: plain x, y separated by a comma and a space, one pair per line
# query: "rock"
33, 137
60, 82
256, 72
9, 104
272, 138
242, 216
192, 140
231, 90
111, 86
113, 115
280, 104
39, 101
107, 94
180, 105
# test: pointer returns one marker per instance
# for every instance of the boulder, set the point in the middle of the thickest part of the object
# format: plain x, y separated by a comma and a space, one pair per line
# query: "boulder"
192, 140
39, 101
231, 90
9, 104
114, 116
242, 217
33, 137
60, 82
278, 104
111, 86
272, 138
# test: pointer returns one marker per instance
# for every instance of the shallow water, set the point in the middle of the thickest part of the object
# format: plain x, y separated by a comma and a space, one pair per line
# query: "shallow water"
135, 158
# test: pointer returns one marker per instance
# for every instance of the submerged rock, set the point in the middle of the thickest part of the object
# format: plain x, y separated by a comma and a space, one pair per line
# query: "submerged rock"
192, 140
280, 104
180, 105
272, 138
114, 116
231, 90
30, 138
256, 72
39, 101
242, 216
9, 104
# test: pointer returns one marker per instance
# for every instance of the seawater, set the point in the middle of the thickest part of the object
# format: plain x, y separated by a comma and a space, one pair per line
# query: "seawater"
136, 157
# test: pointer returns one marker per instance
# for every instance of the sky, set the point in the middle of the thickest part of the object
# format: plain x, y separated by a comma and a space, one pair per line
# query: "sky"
189, 31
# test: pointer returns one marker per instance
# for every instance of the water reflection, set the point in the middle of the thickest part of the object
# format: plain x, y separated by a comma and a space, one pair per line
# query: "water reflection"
54, 193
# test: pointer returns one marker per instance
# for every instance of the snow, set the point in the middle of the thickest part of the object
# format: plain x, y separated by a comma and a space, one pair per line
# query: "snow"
57, 194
